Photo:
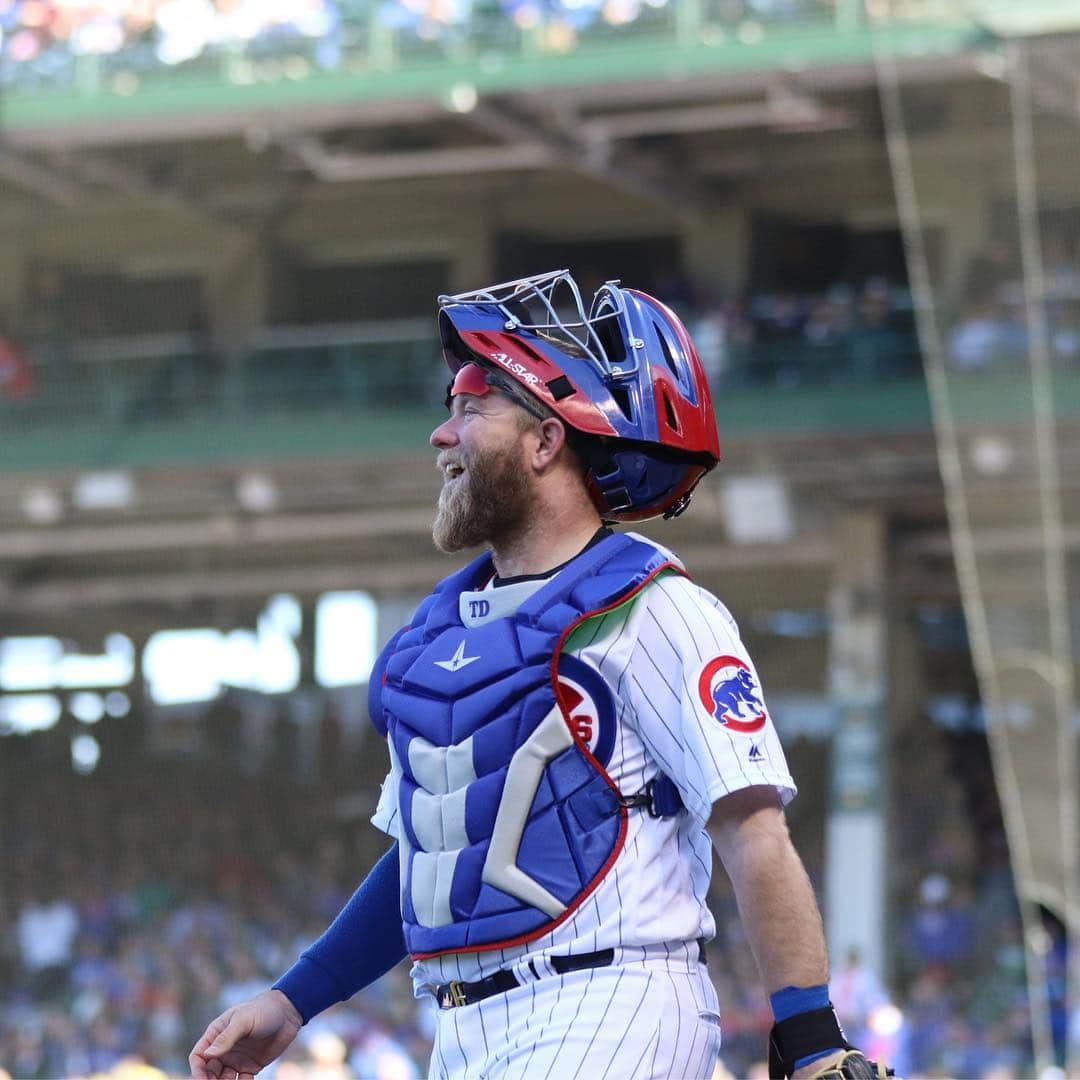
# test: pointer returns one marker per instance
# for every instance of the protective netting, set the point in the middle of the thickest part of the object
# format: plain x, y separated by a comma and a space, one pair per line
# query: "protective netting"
998, 325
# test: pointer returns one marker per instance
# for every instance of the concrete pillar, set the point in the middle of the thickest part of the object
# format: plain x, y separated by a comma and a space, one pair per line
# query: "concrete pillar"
237, 294
236, 302
855, 835
11, 282
716, 250
473, 265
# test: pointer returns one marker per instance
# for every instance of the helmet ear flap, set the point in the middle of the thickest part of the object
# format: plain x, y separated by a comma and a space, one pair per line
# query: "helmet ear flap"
633, 482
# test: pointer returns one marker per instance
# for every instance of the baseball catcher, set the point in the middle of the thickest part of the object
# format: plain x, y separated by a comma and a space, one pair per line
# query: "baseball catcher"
572, 728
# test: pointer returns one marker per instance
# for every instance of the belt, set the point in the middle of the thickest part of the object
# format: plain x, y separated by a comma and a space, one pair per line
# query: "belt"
454, 994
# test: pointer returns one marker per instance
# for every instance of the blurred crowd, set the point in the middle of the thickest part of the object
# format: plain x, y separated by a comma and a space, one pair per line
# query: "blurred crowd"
787, 338
137, 905
781, 339
992, 328
127, 926
43, 38
847, 332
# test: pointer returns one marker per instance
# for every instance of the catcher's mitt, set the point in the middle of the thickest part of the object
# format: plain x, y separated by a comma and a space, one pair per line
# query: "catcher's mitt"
804, 1034
853, 1066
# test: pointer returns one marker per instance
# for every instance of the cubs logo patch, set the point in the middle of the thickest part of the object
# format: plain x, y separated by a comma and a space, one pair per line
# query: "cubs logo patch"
588, 705
729, 693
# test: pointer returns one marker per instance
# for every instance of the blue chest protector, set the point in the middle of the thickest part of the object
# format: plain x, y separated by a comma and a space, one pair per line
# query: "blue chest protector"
507, 822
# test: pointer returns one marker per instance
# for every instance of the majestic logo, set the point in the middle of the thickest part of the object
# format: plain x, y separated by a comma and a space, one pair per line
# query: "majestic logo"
728, 692
520, 370
755, 753
588, 706
458, 660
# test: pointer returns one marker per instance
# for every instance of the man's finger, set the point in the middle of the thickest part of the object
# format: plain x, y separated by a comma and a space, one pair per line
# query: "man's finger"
204, 1059
213, 1030
201, 1069
226, 1038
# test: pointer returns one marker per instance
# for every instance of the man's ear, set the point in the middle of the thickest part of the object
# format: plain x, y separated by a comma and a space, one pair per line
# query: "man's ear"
550, 439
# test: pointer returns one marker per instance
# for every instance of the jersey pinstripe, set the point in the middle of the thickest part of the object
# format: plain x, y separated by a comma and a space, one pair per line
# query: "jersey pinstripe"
638, 1018
651, 654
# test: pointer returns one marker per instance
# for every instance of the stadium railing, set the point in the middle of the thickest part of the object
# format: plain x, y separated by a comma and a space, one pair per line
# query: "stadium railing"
332, 387
376, 387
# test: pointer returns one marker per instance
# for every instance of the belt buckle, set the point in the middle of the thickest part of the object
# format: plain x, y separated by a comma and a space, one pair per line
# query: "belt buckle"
454, 995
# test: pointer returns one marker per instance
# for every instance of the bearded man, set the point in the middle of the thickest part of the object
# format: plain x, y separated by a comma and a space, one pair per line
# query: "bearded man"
563, 754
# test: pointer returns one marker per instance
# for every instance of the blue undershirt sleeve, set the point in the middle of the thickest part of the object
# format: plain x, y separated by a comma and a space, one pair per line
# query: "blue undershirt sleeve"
363, 943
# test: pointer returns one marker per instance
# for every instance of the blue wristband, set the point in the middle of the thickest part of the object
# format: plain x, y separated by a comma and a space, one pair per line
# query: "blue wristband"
797, 999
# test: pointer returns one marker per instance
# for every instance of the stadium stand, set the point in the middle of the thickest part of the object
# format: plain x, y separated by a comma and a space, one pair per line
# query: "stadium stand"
222, 225
115, 946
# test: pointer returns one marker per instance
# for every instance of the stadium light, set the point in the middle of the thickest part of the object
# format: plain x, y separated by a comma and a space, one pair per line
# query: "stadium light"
757, 509
257, 493
885, 1020
991, 455
462, 98
22, 714
43, 505
85, 754
113, 490
86, 706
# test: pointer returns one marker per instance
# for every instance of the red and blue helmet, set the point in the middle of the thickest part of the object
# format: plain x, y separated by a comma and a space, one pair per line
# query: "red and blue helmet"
624, 376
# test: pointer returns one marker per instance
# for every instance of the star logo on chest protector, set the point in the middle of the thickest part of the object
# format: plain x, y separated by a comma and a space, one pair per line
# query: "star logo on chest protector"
457, 661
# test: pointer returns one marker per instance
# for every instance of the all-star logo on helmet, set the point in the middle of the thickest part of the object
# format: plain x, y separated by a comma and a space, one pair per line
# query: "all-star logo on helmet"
519, 370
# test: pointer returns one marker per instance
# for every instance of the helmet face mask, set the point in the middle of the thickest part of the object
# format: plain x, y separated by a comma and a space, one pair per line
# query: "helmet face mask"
623, 375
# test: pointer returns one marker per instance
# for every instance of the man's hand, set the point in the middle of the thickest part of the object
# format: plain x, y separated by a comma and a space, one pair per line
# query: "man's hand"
246, 1038
843, 1065
813, 1068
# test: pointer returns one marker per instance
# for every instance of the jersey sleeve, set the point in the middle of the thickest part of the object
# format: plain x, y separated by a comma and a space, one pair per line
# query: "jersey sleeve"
696, 698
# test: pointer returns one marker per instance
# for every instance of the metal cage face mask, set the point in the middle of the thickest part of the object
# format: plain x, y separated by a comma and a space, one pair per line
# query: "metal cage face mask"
551, 306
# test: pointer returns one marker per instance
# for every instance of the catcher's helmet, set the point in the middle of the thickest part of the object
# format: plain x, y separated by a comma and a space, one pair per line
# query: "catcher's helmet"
625, 376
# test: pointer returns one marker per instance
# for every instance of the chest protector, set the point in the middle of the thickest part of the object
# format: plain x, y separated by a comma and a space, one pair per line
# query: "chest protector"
507, 821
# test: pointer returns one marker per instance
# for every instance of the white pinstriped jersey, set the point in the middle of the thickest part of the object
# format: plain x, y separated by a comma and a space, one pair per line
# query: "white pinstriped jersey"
658, 655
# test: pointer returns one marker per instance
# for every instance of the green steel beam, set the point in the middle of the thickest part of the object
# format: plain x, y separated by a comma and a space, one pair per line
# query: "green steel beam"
641, 59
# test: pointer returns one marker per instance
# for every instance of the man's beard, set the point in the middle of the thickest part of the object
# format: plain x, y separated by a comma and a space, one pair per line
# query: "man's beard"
486, 505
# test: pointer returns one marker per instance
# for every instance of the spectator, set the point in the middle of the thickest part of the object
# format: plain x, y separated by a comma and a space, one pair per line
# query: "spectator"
1065, 335
16, 374
878, 345
1060, 267
831, 318
45, 929
981, 338
940, 930
782, 317
856, 991
708, 330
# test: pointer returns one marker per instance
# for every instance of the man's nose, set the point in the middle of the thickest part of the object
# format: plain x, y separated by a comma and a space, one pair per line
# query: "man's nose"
444, 435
